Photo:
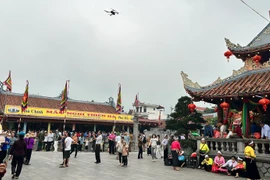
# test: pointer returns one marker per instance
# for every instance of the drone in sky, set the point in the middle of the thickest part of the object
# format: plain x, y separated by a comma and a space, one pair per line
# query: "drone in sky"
111, 12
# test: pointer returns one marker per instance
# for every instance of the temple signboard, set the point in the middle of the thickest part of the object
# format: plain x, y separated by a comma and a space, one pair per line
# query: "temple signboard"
47, 112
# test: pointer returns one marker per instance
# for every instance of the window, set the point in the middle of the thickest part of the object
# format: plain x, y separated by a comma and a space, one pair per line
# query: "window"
140, 109
144, 109
154, 109
137, 109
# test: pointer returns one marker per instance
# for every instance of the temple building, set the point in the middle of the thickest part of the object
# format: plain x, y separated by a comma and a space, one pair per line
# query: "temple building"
44, 113
247, 90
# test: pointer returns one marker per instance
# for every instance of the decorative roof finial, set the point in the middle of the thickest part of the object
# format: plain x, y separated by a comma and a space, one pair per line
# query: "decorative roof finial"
231, 45
188, 82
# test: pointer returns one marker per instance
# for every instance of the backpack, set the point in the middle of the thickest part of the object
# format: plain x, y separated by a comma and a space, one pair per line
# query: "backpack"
144, 140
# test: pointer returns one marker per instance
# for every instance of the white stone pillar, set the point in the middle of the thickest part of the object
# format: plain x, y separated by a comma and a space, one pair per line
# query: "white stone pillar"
135, 133
25, 127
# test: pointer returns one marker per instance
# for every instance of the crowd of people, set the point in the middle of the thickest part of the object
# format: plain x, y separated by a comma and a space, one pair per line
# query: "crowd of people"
19, 147
222, 130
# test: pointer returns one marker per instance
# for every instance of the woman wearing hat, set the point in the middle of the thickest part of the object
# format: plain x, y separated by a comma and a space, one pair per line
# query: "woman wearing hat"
17, 153
30, 141
204, 149
218, 161
252, 170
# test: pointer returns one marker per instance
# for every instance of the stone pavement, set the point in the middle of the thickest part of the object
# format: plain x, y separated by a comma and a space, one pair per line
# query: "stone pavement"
45, 166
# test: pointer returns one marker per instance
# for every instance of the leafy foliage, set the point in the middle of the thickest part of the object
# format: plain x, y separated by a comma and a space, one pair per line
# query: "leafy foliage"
182, 120
189, 143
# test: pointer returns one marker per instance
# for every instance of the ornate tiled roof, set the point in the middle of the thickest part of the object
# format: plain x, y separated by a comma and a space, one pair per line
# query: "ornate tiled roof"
54, 103
259, 43
241, 83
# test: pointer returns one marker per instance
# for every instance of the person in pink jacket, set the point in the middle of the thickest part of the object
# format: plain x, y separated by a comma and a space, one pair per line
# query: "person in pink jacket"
219, 159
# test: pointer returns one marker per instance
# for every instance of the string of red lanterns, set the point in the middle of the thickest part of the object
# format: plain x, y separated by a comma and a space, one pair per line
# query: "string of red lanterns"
256, 58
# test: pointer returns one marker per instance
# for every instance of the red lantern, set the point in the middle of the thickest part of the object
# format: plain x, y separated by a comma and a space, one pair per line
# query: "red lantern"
256, 58
264, 102
191, 107
228, 54
224, 106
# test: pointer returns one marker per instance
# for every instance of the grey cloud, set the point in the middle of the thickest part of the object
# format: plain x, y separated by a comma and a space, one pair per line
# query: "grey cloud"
144, 48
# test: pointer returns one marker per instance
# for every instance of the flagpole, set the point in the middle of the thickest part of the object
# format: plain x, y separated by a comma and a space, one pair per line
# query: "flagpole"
64, 126
65, 118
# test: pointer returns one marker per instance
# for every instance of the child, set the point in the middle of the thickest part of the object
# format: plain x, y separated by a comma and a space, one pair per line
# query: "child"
125, 154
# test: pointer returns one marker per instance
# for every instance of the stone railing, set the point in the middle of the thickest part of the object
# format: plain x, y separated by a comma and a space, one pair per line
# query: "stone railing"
235, 147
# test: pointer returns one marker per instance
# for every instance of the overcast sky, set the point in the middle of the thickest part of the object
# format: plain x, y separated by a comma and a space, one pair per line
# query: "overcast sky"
144, 48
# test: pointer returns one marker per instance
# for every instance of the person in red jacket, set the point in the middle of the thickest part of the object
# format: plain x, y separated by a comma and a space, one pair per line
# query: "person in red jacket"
175, 148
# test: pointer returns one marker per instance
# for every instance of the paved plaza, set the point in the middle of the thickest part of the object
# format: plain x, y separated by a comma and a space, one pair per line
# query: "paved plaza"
45, 166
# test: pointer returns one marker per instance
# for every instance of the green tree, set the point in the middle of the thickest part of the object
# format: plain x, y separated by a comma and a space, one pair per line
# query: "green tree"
182, 120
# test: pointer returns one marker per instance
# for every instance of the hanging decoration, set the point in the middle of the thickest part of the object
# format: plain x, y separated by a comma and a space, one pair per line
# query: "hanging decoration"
191, 107
228, 54
256, 58
264, 102
224, 106
245, 120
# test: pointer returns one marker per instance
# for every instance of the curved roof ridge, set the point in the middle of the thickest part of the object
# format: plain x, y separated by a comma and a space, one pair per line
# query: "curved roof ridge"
262, 39
236, 77
242, 72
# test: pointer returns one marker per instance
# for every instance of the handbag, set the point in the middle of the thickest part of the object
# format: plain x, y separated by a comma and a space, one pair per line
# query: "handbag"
214, 168
193, 155
181, 158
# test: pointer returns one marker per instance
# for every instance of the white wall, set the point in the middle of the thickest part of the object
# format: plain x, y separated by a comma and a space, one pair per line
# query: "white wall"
153, 113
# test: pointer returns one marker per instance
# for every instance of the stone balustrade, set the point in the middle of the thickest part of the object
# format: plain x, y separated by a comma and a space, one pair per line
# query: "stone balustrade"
236, 146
